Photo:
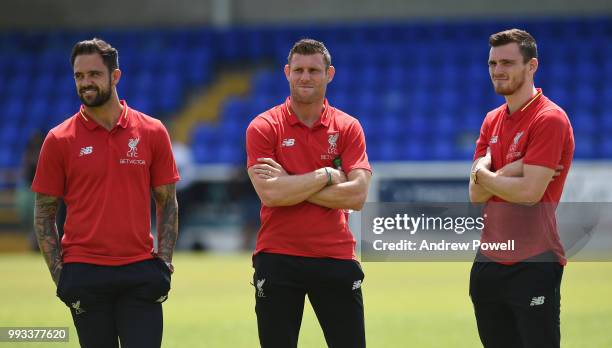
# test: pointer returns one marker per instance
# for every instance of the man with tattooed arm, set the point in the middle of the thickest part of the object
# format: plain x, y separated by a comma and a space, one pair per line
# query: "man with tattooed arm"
104, 161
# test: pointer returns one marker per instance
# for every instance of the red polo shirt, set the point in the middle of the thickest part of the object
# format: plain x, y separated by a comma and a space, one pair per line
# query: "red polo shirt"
541, 134
105, 178
306, 229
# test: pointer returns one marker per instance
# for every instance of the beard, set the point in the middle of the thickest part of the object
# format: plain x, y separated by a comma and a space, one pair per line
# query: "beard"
102, 96
510, 86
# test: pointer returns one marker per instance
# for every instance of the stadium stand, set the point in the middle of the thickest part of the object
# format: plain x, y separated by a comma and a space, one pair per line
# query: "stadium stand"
413, 86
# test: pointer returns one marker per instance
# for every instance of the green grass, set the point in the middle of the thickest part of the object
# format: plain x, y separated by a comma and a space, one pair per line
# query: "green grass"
407, 304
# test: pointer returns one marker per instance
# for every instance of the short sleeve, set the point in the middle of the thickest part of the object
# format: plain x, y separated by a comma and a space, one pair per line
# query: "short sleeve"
259, 141
482, 143
547, 138
354, 154
163, 167
50, 177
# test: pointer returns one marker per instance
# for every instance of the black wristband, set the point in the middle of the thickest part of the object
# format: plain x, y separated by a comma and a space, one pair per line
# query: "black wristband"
329, 177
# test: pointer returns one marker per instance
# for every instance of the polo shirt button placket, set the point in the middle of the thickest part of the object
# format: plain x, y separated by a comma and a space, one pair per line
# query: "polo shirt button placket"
109, 157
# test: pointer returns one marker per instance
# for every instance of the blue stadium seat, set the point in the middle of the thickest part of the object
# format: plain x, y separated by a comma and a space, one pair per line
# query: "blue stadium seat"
198, 68
205, 141
606, 148
418, 124
9, 134
392, 124
37, 114
143, 103
442, 148
414, 148
144, 83
19, 85
13, 109
170, 92
392, 101
583, 121
234, 108
366, 100
231, 153
586, 146
43, 84
470, 119
388, 150
606, 66
59, 111
233, 130
560, 94
420, 90
443, 124
7, 159
605, 121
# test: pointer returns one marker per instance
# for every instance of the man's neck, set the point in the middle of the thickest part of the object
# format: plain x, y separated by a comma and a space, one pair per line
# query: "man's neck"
309, 113
520, 97
106, 115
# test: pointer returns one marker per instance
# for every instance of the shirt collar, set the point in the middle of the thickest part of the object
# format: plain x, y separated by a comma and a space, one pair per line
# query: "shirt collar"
528, 104
293, 120
91, 124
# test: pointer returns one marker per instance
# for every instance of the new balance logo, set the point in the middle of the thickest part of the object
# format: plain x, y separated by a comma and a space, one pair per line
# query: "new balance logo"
288, 142
87, 150
536, 301
162, 299
260, 283
356, 284
77, 307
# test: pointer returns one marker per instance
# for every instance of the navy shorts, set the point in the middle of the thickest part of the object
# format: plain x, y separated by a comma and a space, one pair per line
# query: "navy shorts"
333, 287
116, 303
517, 306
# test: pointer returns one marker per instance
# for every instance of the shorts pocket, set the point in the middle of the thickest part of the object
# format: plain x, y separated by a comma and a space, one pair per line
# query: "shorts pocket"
60, 292
73, 285
161, 264
157, 284
340, 274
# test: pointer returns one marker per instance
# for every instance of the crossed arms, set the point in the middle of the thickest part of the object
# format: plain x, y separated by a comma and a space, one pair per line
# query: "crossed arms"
276, 188
516, 182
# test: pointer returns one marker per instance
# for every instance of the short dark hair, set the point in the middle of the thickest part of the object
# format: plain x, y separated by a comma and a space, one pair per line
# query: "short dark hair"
526, 42
110, 55
308, 47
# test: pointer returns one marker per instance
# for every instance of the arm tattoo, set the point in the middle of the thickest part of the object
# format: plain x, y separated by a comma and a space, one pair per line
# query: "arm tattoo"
167, 220
46, 233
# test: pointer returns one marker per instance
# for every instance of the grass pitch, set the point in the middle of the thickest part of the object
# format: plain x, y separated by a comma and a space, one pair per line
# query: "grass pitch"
407, 304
